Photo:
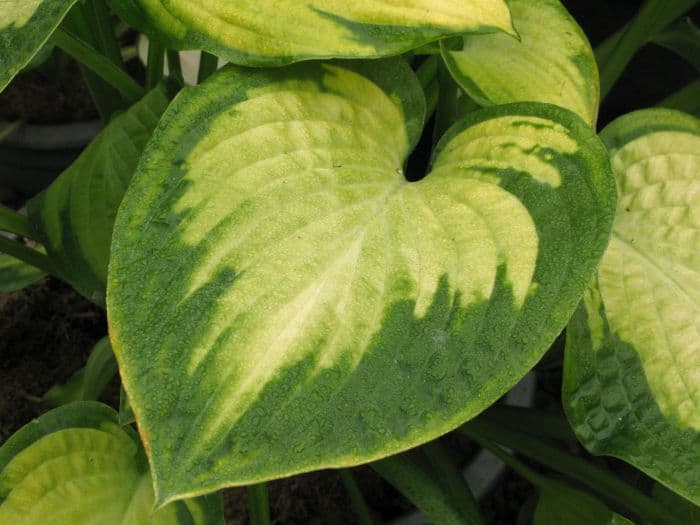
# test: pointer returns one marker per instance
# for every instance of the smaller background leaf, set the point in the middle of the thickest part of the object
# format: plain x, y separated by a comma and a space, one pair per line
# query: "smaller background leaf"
560, 504
74, 216
15, 274
88, 383
552, 62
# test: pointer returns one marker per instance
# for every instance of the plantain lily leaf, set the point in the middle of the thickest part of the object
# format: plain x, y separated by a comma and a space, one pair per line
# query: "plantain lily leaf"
76, 465
88, 383
553, 61
74, 216
25, 26
633, 351
15, 274
281, 299
560, 504
276, 32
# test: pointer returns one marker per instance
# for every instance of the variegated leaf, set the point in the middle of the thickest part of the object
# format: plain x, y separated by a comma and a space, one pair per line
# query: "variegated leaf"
281, 299
25, 25
552, 62
76, 465
275, 32
632, 370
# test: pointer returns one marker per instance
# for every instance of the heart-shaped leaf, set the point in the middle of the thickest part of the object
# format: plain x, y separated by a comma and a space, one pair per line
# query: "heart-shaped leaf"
25, 25
552, 62
74, 216
281, 299
275, 32
632, 370
76, 465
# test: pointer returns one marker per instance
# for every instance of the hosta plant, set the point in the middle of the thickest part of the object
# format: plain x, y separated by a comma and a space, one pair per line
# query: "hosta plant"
290, 287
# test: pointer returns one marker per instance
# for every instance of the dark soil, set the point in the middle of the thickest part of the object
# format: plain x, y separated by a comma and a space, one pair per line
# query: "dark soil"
52, 94
46, 333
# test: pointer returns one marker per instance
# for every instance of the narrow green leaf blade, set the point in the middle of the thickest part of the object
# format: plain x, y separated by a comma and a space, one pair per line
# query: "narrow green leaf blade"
632, 368
271, 268
560, 504
75, 215
276, 32
15, 274
553, 61
88, 383
86, 470
683, 38
25, 26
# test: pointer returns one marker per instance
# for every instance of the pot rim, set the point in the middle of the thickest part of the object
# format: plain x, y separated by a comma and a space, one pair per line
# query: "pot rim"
52, 136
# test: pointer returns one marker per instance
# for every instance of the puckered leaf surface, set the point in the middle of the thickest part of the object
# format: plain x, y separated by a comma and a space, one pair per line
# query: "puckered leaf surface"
281, 299
552, 62
275, 32
632, 372
76, 465
25, 25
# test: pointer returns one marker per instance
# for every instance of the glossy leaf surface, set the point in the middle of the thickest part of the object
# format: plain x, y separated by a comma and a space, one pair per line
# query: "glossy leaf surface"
552, 62
75, 215
281, 299
76, 465
15, 274
632, 370
25, 25
275, 32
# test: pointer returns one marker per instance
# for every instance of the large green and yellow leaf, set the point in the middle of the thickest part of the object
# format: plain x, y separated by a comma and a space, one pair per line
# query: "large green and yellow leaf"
76, 465
275, 32
25, 25
74, 216
281, 299
552, 62
632, 371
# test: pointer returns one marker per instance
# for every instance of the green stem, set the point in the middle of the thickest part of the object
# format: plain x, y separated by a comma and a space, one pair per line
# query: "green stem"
175, 67
207, 66
531, 421
427, 75
106, 40
13, 222
26, 254
686, 99
10, 128
526, 472
598, 479
616, 52
420, 488
356, 500
107, 99
154, 65
258, 505
446, 110
107, 70
452, 480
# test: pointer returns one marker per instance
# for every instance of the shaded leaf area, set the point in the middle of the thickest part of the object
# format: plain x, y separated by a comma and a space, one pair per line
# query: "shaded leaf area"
633, 357
15, 274
81, 447
25, 25
551, 62
301, 306
281, 32
74, 216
